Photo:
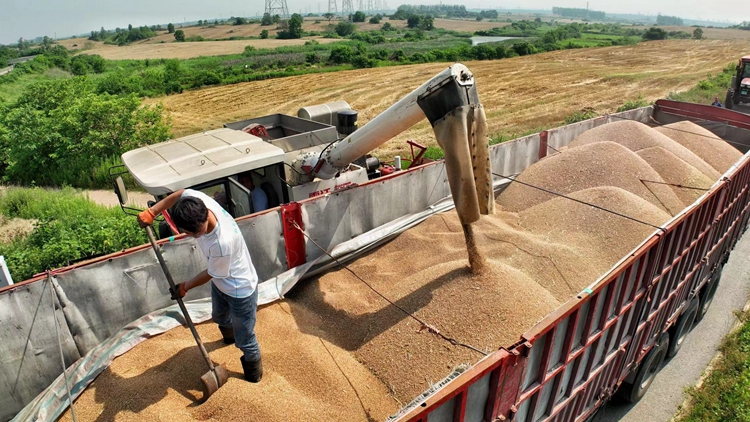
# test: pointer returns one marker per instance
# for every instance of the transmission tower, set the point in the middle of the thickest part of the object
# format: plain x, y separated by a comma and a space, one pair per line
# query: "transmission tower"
369, 5
347, 7
361, 5
277, 7
332, 7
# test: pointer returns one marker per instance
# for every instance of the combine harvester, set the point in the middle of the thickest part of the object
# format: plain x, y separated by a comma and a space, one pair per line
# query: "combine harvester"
335, 200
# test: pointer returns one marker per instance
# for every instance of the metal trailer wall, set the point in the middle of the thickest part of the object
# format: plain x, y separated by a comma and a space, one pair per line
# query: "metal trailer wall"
571, 362
100, 297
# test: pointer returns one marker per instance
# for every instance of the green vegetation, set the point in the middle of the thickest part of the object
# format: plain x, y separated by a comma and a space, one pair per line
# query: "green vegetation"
294, 28
668, 20
633, 104
358, 16
725, 394
62, 133
707, 89
579, 116
123, 37
578, 13
69, 228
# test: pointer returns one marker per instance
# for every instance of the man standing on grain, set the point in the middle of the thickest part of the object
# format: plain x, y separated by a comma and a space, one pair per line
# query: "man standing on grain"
234, 282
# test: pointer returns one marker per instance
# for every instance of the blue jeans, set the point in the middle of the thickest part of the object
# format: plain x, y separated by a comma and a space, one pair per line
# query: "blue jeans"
238, 313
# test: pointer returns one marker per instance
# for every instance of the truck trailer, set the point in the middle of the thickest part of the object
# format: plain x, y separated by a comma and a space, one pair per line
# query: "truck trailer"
610, 338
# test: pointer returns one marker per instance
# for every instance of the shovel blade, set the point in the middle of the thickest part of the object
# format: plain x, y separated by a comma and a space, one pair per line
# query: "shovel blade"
213, 380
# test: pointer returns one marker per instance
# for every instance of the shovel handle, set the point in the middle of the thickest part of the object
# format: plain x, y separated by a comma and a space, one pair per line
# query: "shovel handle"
172, 286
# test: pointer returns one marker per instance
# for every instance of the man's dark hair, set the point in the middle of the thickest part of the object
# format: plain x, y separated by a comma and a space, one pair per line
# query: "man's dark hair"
189, 214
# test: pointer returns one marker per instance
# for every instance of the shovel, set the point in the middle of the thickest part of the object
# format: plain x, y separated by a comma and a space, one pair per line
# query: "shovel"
216, 375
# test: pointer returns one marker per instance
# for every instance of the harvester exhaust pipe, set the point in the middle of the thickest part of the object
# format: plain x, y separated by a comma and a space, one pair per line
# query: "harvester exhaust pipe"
216, 375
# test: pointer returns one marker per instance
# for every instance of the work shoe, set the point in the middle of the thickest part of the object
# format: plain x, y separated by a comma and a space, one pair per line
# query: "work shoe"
253, 369
228, 334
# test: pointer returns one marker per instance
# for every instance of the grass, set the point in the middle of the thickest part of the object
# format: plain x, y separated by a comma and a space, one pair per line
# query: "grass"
707, 89
725, 394
11, 91
69, 228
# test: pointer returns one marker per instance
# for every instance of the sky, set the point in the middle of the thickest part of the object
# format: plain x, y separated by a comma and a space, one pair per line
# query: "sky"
63, 18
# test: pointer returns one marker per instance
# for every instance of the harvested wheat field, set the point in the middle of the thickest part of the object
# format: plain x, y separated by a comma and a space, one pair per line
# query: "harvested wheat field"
334, 349
188, 50
517, 93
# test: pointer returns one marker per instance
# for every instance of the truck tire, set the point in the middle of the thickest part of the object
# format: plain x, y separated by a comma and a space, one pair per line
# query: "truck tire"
707, 295
729, 100
646, 372
682, 328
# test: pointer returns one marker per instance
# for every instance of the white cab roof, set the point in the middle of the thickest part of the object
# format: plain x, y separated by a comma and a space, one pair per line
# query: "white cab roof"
180, 163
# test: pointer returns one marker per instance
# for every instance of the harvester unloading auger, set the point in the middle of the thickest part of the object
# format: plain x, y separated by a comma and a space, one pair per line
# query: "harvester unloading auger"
451, 103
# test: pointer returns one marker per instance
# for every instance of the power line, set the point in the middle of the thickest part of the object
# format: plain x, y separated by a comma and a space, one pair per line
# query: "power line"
424, 326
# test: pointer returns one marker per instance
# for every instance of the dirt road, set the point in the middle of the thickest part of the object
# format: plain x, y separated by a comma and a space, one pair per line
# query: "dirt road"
520, 94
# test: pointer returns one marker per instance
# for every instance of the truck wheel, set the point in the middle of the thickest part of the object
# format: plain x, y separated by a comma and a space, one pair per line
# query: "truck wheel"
707, 296
682, 327
646, 372
729, 100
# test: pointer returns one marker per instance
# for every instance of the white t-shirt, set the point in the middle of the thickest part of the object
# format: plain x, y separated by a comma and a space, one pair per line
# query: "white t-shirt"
228, 258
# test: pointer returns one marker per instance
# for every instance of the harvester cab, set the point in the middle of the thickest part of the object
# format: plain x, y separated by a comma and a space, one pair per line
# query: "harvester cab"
739, 90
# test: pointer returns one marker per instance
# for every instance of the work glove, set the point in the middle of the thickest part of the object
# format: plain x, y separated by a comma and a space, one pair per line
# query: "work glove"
179, 291
146, 218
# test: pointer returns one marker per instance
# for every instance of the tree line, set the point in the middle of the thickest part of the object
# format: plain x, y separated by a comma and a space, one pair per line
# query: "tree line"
569, 12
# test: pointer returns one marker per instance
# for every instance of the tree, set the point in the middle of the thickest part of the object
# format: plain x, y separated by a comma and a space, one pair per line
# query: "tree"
130, 27
200, 22
80, 129
388, 27
46, 43
698, 34
264, 34
413, 21
170, 29
276, 18
172, 73
294, 28
329, 16
240, 21
341, 54
375, 20
266, 20
427, 23
179, 35
345, 28
654, 33
359, 16
102, 34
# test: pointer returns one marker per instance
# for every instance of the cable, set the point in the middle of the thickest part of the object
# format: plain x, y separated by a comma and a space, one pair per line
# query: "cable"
663, 205
677, 185
26, 346
59, 344
424, 326
364, 409
580, 202
293, 169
